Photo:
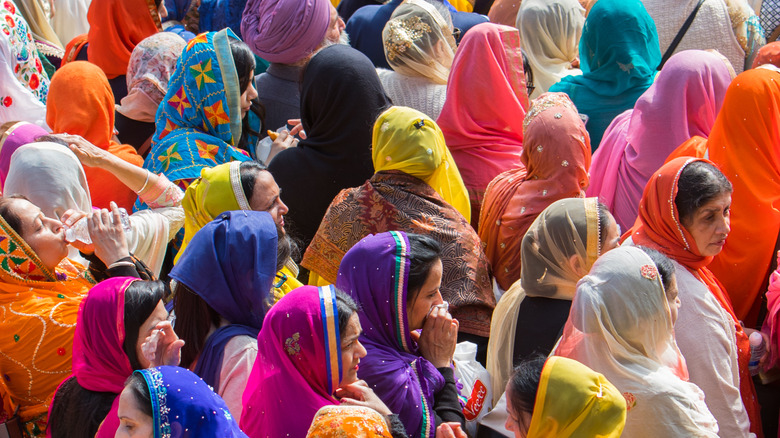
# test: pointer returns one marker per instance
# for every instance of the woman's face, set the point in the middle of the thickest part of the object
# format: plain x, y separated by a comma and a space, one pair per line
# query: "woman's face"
158, 315
133, 423
516, 422
427, 297
266, 196
672, 297
612, 239
45, 236
351, 351
246, 98
710, 225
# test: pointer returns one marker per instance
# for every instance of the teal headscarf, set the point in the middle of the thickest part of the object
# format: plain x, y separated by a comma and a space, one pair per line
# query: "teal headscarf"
619, 54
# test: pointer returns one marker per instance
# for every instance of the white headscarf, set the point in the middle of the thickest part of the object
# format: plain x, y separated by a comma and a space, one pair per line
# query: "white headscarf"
550, 32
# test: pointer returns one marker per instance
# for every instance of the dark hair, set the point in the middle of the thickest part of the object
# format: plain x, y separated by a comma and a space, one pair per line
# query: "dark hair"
345, 307
605, 219
77, 412
524, 383
700, 182
141, 298
245, 62
194, 318
139, 389
249, 171
9, 215
529, 73
663, 263
424, 251
51, 139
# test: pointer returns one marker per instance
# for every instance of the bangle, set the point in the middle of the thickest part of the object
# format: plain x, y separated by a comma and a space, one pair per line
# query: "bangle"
148, 174
121, 262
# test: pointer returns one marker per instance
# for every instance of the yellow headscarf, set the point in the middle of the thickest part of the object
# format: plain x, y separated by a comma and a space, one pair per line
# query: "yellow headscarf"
582, 403
408, 140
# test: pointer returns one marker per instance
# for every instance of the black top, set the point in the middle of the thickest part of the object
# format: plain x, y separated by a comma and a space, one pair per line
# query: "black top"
540, 323
133, 132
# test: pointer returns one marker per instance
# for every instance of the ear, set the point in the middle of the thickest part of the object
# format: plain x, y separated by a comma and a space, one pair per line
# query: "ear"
576, 264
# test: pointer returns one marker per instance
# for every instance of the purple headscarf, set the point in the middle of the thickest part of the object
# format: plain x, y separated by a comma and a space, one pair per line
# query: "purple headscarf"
285, 31
15, 137
375, 272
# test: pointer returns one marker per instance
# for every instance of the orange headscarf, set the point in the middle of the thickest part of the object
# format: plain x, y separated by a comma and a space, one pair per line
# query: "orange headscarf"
556, 159
80, 102
658, 226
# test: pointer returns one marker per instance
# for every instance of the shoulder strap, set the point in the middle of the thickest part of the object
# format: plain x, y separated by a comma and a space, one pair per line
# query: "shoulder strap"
680, 35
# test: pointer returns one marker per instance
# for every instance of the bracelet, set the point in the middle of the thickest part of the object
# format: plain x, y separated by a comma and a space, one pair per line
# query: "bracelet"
120, 263
148, 175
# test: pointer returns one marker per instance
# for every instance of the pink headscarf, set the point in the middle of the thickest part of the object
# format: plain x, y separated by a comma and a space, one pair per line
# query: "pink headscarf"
285, 31
15, 137
769, 54
682, 103
482, 118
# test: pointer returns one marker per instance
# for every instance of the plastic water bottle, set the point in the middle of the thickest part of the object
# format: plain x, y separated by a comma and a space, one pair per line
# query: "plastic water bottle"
80, 231
757, 351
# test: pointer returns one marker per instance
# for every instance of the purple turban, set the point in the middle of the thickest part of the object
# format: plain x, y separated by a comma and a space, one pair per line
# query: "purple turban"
285, 31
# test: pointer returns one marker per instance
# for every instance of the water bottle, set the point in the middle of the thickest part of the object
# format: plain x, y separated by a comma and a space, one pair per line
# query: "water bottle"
79, 231
757, 351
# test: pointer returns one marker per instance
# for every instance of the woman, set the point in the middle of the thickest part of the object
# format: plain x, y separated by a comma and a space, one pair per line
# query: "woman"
15, 135
554, 165
708, 333
150, 68
551, 31
81, 103
411, 373
559, 249
768, 54
622, 326
416, 188
337, 151
199, 120
115, 319
23, 82
40, 290
308, 356
619, 54
220, 310
482, 119
682, 103
420, 59
115, 27
173, 402
593, 407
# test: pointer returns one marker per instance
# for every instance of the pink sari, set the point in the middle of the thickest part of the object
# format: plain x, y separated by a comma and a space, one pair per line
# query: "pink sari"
682, 103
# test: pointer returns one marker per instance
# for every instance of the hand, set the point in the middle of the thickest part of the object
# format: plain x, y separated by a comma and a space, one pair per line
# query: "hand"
450, 430
108, 238
283, 141
359, 394
297, 128
68, 219
439, 337
89, 154
767, 345
163, 346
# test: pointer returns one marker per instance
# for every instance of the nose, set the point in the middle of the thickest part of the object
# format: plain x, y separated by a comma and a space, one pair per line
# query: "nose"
725, 226
252, 91
439, 299
361, 350
283, 208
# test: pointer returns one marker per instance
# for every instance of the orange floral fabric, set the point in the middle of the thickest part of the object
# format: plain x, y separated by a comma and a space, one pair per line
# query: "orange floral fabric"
348, 421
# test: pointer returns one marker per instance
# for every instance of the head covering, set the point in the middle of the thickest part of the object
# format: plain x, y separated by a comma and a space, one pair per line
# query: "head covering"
592, 407
183, 404
148, 73
337, 151
659, 226
408, 140
115, 27
357, 421
743, 144
81, 103
482, 119
215, 15
23, 82
50, 176
12, 139
768, 54
177, 9
199, 120
682, 103
418, 41
298, 365
620, 325
100, 363
70, 19
285, 31
551, 31
619, 54
568, 227
555, 161
38, 14
376, 270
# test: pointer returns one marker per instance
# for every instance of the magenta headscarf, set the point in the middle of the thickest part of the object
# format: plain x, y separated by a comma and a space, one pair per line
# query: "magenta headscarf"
683, 102
99, 360
298, 365
15, 137
285, 31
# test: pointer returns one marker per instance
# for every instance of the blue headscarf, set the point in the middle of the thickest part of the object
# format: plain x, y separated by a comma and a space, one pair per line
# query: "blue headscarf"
619, 54
219, 14
199, 120
184, 405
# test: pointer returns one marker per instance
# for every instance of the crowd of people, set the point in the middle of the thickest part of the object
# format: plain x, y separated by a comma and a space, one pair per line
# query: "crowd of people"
282, 218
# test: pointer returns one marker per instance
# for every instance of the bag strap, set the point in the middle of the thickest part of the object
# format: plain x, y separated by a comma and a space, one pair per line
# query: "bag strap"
680, 35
